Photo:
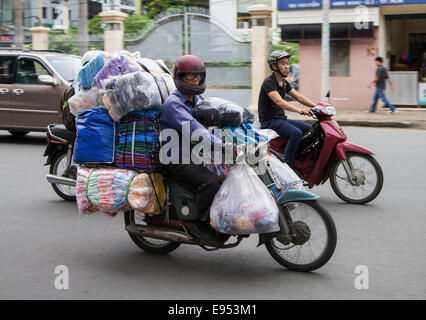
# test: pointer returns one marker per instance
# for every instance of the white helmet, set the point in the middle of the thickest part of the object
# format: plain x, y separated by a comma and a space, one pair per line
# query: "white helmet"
90, 55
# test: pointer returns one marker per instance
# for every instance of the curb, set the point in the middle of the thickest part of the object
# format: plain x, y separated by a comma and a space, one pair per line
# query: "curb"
364, 123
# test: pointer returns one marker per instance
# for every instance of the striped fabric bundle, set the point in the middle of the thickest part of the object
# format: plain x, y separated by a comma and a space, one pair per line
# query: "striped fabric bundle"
139, 140
107, 188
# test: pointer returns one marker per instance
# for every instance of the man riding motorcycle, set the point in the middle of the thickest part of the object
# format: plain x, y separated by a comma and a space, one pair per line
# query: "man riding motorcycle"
271, 105
189, 75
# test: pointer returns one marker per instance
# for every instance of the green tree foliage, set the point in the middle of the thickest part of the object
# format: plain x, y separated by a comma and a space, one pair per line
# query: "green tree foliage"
135, 23
154, 7
290, 47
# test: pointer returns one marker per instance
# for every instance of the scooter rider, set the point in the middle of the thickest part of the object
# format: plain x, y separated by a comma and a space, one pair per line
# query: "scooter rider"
189, 75
271, 105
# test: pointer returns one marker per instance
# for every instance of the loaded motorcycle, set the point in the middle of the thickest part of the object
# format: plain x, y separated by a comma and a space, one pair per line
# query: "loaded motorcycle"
63, 172
324, 153
305, 242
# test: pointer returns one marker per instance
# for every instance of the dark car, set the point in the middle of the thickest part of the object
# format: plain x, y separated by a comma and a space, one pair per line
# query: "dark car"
31, 83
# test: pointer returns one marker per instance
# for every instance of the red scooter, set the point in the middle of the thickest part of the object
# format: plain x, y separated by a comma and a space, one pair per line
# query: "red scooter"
324, 152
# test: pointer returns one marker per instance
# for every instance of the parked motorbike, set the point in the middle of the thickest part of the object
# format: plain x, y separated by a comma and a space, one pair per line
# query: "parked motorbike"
62, 173
324, 152
305, 242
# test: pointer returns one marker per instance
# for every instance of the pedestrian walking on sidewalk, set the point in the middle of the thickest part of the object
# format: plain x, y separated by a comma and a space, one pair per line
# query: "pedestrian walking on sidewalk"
380, 81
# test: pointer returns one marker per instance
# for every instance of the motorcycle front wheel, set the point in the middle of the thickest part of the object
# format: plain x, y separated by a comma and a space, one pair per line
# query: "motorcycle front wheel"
150, 245
313, 238
58, 168
366, 181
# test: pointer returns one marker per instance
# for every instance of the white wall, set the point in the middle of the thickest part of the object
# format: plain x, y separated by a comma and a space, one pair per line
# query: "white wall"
225, 12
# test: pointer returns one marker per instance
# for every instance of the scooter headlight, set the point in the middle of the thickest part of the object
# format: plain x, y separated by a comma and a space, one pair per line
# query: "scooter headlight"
329, 111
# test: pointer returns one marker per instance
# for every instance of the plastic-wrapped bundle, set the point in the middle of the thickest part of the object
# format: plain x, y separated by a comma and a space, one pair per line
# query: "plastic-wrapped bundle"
286, 176
96, 137
250, 210
139, 142
83, 100
83, 203
115, 67
131, 92
220, 112
107, 188
147, 193
87, 74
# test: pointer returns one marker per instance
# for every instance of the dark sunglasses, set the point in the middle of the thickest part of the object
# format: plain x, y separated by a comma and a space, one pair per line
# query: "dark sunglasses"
192, 76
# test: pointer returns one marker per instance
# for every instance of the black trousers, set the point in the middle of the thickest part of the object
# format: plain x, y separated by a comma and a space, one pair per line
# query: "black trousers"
205, 182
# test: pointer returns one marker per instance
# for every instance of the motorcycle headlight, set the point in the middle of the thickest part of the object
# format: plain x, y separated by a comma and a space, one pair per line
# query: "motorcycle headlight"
329, 110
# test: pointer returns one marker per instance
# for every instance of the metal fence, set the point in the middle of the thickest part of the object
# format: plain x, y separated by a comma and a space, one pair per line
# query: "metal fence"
70, 43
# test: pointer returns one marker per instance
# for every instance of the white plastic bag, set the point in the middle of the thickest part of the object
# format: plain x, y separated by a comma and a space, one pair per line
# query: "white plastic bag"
286, 176
83, 100
243, 204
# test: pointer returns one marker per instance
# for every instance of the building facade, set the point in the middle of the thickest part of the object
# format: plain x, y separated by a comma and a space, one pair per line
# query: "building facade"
359, 32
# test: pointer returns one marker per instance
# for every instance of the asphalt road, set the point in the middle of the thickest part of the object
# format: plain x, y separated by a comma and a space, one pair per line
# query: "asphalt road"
39, 231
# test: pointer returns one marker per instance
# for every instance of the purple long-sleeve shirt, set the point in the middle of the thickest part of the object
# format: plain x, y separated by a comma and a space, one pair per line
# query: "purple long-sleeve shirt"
177, 115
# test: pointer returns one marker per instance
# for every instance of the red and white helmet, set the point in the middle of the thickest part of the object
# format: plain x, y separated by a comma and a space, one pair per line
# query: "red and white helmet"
189, 64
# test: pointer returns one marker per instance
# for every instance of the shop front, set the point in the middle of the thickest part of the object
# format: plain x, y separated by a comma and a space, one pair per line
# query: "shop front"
358, 34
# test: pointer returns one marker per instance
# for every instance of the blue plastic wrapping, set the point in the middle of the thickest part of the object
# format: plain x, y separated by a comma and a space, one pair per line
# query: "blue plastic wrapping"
87, 74
96, 137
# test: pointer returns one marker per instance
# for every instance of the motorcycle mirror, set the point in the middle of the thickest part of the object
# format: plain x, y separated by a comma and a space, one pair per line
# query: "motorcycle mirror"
328, 96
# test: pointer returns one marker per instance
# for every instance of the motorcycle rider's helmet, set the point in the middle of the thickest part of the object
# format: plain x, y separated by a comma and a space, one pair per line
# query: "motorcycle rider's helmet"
189, 64
89, 56
275, 56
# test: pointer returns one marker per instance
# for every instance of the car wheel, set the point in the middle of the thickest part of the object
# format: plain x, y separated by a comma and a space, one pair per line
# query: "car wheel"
18, 133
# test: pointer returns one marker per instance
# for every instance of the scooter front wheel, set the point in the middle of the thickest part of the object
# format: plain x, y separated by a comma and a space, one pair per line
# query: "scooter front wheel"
364, 183
150, 245
313, 237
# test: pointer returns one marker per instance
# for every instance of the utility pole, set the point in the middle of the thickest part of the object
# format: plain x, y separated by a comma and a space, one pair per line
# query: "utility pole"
325, 48
83, 29
17, 21
40, 12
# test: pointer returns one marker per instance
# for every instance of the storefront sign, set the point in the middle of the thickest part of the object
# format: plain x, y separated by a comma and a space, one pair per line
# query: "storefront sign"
317, 4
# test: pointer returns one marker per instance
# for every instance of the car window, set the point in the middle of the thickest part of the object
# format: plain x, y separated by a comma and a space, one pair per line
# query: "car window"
7, 67
67, 66
28, 71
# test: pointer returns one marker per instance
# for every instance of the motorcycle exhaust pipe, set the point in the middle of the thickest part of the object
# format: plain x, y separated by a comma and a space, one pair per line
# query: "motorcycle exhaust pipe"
61, 180
158, 233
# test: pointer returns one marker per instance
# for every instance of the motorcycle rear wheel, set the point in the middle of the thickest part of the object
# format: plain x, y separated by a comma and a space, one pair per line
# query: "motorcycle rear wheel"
149, 245
367, 169
313, 245
58, 167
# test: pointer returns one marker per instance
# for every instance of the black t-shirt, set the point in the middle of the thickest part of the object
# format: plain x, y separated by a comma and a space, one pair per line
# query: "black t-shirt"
382, 74
267, 109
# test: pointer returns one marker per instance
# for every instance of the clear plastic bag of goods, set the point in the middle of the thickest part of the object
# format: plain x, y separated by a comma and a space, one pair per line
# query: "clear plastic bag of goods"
107, 189
116, 66
221, 112
96, 137
83, 100
87, 74
131, 92
286, 176
147, 193
83, 203
243, 204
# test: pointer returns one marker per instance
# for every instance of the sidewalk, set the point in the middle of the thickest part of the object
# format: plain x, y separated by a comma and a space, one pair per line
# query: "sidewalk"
404, 118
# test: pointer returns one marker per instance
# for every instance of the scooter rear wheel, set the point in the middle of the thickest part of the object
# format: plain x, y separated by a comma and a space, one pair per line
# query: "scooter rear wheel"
368, 180
58, 167
149, 245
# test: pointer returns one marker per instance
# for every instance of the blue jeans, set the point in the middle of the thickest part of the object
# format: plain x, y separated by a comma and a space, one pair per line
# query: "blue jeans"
380, 93
288, 129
